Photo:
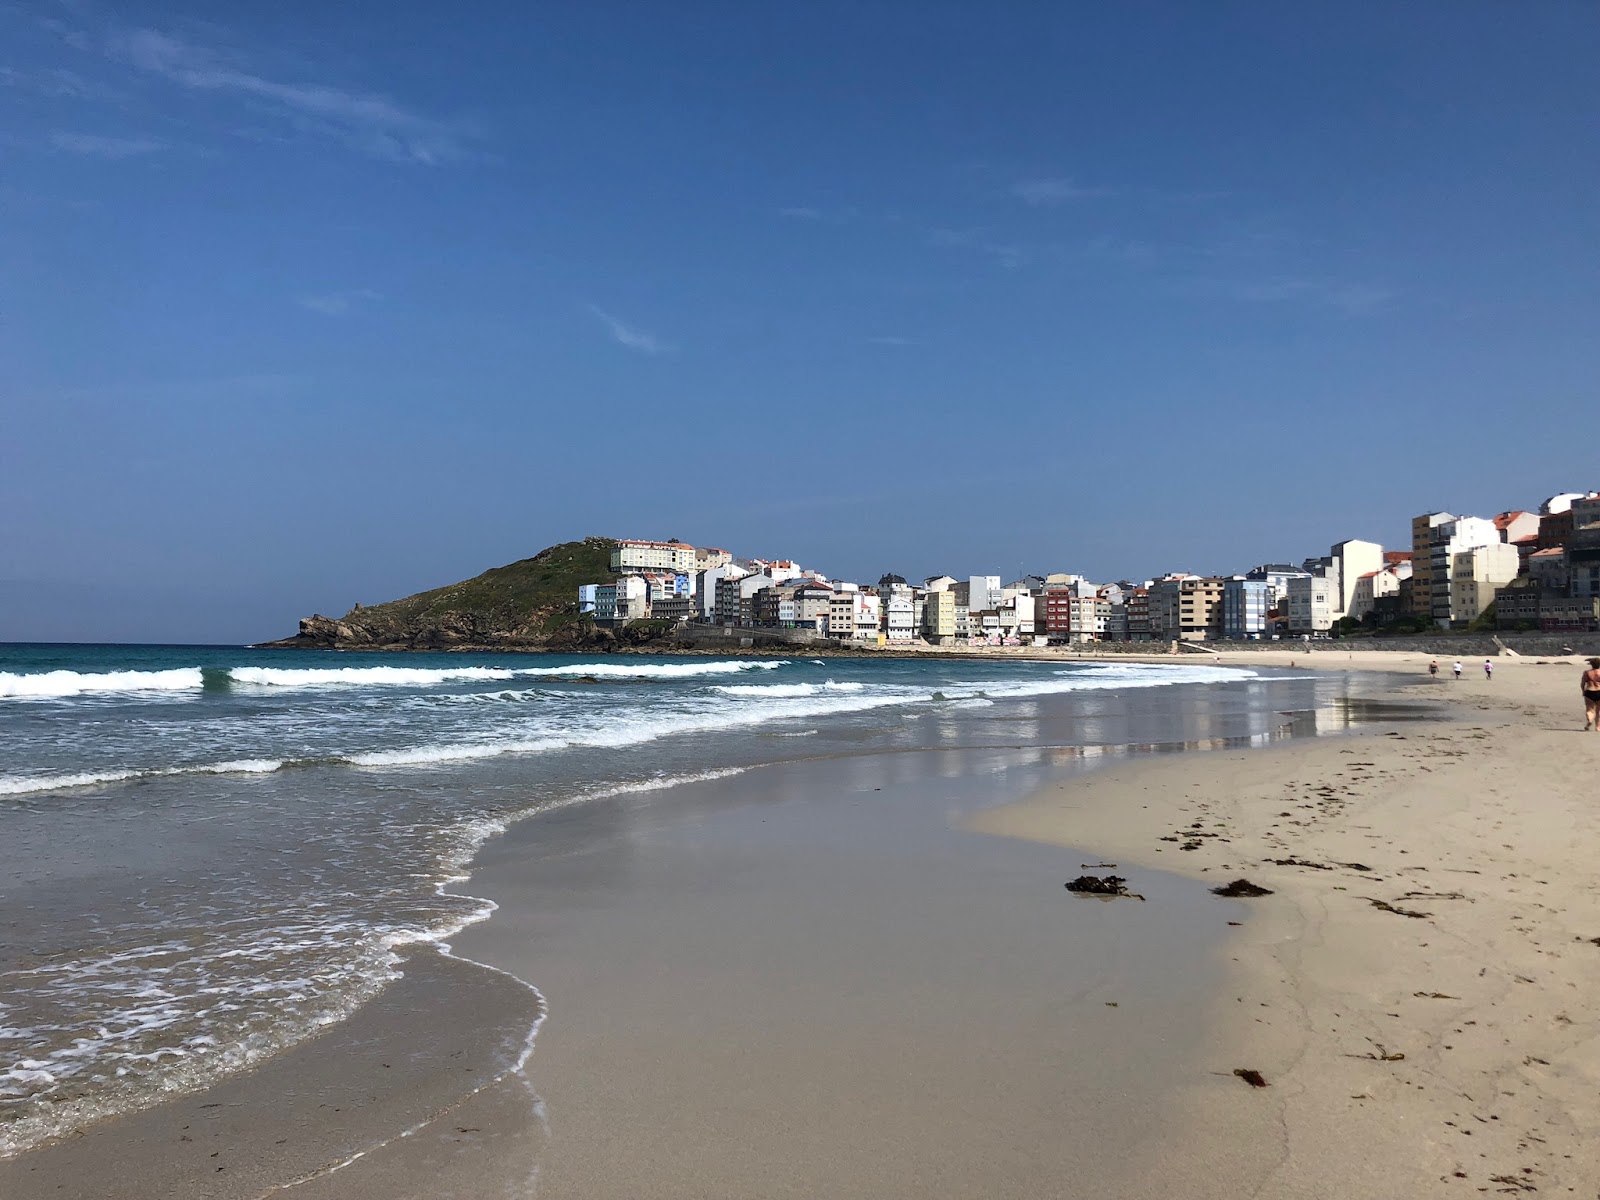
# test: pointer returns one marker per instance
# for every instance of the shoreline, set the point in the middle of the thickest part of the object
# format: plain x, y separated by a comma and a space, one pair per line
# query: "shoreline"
1207, 1116
1445, 1044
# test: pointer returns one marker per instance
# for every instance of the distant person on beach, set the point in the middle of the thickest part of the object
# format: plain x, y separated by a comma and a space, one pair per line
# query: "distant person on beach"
1433, 668
1456, 669
1591, 696
1488, 669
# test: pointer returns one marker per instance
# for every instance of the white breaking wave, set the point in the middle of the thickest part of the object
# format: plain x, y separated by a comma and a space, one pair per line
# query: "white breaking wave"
295, 677
20, 785
362, 676
46, 684
778, 690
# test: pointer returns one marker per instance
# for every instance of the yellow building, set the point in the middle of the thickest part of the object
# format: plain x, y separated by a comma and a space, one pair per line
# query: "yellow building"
939, 617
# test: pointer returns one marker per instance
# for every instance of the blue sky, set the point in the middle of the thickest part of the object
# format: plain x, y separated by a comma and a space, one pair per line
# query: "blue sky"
307, 304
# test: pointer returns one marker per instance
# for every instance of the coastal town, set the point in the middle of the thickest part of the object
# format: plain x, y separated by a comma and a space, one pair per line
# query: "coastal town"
1520, 570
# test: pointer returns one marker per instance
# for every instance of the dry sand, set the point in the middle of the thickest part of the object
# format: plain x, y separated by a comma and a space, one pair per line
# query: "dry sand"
1445, 1045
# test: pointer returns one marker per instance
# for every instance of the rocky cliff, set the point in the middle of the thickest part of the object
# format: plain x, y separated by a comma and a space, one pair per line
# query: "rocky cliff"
526, 605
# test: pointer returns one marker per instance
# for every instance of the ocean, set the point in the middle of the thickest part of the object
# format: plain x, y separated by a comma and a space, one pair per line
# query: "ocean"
213, 852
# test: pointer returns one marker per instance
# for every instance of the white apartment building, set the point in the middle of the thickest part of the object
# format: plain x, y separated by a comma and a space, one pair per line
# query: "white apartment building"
631, 556
866, 616
983, 591
1310, 603
1355, 558
1474, 575
899, 615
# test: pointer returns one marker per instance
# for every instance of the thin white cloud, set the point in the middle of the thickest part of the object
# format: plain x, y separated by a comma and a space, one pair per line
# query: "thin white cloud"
337, 304
365, 121
1038, 192
801, 212
626, 335
104, 147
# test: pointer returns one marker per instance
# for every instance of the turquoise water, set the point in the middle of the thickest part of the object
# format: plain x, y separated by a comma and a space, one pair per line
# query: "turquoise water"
213, 851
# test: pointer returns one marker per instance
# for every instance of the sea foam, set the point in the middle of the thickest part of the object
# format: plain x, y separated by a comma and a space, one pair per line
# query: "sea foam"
50, 684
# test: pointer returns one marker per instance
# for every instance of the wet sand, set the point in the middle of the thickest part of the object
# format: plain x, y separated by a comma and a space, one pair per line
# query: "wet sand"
803, 981
828, 977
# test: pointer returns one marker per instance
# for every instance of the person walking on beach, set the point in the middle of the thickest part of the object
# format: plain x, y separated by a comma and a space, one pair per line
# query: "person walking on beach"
1488, 669
1433, 668
1456, 669
1591, 695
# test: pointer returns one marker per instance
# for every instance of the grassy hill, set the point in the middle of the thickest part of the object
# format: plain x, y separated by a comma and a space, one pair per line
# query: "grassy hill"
522, 604
547, 582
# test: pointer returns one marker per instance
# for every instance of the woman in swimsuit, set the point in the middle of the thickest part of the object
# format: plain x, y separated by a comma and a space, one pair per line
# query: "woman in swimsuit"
1591, 695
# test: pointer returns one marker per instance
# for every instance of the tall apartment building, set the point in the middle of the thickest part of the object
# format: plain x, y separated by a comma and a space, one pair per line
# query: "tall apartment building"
939, 616
1448, 539
1422, 529
1054, 612
634, 556
1116, 615
1139, 615
1245, 603
1086, 618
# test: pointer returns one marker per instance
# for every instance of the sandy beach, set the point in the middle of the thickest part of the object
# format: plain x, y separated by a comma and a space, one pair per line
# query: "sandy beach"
1426, 1020
857, 973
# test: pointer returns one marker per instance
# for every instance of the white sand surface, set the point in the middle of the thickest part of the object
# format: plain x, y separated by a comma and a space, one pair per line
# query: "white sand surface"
1446, 1045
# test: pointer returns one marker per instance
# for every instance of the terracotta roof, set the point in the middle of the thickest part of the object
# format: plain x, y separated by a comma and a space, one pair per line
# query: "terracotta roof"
1396, 556
1506, 518
1549, 552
